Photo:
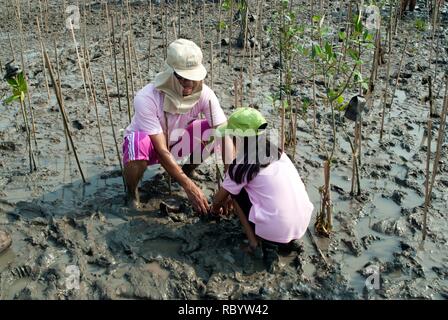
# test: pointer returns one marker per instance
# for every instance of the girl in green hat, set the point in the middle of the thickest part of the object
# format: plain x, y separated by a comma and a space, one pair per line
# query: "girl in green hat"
268, 194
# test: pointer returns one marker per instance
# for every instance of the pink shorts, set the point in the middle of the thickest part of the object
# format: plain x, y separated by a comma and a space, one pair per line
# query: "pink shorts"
138, 145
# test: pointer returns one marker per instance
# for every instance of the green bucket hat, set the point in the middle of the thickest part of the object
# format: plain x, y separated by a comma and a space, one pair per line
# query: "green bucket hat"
244, 122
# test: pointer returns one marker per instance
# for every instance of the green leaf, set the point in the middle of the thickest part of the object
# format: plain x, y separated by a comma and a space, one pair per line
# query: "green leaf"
316, 19
10, 99
342, 36
12, 82
221, 25
226, 4
367, 36
340, 100
343, 107
316, 51
22, 82
353, 53
357, 76
328, 48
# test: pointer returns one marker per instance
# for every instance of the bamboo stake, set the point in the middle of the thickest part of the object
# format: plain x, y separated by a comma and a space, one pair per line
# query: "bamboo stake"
211, 64
387, 73
219, 37
229, 53
96, 108
112, 125
46, 15
67, 143
126, 81
30, 148
235, 89
165, 30
62, 109
190, 16
178, 4
43, 60
150, 35
134, 52
427, 194
11, 47
41, 13
398, 77
201, 34
203, 20
109, 32
218, 172
327, 195
131, 72
114, 53
79, 62
440, 137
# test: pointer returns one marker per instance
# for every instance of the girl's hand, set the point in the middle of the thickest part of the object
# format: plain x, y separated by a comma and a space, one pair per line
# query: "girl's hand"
216, 209
228, 206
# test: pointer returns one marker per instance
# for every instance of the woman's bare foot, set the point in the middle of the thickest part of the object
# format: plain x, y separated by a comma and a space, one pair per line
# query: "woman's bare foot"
135, 205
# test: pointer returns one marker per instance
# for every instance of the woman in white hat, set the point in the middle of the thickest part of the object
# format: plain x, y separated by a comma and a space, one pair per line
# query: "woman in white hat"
166, 118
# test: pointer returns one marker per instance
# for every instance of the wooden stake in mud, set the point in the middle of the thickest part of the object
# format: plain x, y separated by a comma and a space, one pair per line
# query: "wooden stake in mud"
211, 64
165, 28
324, 219
58, 72
126, 81
62, 109
150, 35
114, 53
229, 53
435, 167
30, 148
235, 90
79, 62
13, 54
427, 194
96, 107
386, 90
131, 72
43, 59
397, 80
178, 5
113, 127
218, 172
327, 197
109, 33
219, 37
134, 53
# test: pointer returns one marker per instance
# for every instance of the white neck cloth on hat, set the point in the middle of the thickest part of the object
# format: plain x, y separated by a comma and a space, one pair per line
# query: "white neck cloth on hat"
174, 101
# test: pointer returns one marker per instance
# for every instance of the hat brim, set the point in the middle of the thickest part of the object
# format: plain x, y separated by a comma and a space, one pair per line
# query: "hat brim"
196, 74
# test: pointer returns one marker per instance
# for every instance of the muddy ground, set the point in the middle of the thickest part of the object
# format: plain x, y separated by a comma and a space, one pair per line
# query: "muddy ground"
57, 221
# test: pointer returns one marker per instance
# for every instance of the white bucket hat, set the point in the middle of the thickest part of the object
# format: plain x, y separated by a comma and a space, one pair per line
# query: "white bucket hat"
185, 57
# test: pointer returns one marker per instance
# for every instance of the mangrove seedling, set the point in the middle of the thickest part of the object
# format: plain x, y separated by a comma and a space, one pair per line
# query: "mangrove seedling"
16, 80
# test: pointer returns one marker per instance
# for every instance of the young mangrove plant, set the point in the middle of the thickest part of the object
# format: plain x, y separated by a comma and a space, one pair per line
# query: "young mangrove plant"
17, 82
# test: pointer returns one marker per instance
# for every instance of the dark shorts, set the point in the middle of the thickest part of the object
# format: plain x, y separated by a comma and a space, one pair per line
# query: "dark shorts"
243, 201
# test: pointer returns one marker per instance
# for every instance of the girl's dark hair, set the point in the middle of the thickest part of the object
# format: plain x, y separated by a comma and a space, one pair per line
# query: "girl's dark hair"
246, 167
